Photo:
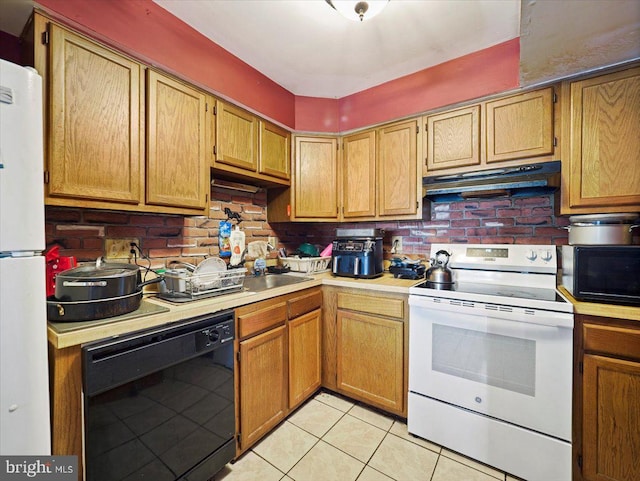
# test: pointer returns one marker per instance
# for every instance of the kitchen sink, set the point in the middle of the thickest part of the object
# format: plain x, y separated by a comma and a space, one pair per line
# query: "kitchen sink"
271, 281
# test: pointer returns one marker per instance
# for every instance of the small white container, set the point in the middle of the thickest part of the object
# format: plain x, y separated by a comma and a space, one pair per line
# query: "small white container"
237, 241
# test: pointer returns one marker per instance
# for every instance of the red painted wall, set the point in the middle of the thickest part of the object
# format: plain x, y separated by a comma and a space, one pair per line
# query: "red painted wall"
492, 70
315, 114
155, 36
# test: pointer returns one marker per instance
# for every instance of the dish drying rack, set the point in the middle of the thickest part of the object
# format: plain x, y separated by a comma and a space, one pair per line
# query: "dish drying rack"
307, 265
182, 285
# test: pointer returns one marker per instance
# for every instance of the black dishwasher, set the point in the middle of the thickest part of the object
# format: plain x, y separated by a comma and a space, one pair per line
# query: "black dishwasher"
159, 403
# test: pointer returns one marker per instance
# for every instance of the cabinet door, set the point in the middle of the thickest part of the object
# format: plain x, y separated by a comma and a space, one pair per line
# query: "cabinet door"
611, 419
370, 359
602, 143
236, 137
398, 170
263, 384
453, 138
275, 151
177, 170
359, 175
520, 126
316, 178
304, 357
95, 149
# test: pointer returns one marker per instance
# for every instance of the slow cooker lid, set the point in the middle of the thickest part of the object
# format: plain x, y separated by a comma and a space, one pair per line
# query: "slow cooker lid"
105, 271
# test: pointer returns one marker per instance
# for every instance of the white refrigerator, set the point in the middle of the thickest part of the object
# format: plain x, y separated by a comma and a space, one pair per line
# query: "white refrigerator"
24, 380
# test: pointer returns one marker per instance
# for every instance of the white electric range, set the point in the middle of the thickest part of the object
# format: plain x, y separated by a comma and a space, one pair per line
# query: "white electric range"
490, 360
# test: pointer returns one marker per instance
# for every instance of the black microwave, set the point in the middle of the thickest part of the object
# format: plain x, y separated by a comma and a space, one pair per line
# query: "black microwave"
602, 273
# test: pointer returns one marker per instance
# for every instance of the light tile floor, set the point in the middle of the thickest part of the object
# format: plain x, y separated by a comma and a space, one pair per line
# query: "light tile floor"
331, 438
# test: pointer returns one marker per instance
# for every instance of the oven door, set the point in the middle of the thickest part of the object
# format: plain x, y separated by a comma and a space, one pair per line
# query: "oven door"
506, 362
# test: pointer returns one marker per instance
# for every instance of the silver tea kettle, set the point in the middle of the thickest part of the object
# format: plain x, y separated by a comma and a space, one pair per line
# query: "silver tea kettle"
439, 272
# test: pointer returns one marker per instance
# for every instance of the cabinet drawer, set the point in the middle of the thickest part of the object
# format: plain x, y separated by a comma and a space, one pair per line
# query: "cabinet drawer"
381, 306
261, 319
307, 302
616, 341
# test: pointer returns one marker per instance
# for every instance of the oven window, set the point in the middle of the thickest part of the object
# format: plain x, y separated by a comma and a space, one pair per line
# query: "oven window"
500, 361
161, 425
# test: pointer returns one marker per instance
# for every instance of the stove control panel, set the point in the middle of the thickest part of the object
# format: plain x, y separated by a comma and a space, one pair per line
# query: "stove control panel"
501, 257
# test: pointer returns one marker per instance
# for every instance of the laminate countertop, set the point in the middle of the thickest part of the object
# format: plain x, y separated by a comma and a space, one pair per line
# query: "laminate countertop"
600, 309
154, 312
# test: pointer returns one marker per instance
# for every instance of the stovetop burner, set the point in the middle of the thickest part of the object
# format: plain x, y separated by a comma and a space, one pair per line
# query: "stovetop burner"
440, 286
532, 293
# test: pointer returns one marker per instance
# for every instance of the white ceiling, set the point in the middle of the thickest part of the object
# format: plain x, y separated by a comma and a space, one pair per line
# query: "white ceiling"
310, 49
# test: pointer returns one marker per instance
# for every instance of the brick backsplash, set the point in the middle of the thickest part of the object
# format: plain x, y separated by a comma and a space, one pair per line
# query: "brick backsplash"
528, 220
164, 238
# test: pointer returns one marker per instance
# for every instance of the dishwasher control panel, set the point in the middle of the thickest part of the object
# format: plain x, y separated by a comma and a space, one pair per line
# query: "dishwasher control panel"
215, 335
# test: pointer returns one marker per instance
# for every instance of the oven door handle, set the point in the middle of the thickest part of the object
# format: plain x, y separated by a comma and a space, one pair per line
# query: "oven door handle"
421, 306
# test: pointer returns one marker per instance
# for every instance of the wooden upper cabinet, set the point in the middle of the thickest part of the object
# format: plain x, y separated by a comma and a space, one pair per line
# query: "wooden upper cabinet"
95, 148
315, 181
275, 151
520, 126
378, 176
177, 169
236, 137
601, 143
359, 175
397, 170
453, 138
248, 148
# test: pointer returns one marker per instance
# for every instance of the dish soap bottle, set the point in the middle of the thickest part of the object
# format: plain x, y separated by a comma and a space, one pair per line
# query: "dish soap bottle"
236, 241
223, 238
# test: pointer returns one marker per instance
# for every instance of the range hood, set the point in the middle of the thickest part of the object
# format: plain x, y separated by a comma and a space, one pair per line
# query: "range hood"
520, 181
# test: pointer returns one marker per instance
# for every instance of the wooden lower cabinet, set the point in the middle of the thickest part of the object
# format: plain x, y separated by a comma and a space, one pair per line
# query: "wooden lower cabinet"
365, 339
65, 381
607, 401
263, 374
279, 361
370, 358
304, 357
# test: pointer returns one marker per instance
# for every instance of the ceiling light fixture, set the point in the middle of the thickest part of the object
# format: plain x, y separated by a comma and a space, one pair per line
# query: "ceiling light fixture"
356, 10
